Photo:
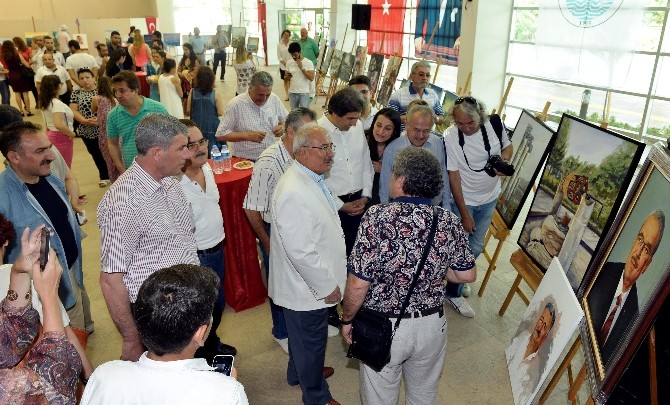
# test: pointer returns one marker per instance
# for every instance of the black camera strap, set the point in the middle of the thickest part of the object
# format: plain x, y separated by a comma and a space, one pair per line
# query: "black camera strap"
487, 146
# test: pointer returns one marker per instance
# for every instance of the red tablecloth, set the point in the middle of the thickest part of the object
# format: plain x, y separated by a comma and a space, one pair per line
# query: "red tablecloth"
243, 285
144, 85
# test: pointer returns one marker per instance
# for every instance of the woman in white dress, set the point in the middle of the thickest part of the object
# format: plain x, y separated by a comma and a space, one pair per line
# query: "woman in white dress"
284, 56
169, 87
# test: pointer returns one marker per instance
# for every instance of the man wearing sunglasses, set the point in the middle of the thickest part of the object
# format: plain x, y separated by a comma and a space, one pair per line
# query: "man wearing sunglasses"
419, 88
470, 143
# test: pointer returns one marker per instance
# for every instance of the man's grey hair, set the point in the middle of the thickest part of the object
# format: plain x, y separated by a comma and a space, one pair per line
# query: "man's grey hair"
421, 110
421, 170
659, 216
296, 118
261, 79
157, 129
475, 111
418, 65
303, 136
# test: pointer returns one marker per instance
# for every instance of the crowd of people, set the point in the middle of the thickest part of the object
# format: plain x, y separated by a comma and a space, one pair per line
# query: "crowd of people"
341, 205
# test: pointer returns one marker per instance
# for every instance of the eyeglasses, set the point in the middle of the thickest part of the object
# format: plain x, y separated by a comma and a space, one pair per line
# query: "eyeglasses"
193, 145
427, 75
322, 148
469, 100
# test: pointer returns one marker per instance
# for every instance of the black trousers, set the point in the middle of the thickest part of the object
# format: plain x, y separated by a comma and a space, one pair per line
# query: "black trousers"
350, 223
93, 148
220, 57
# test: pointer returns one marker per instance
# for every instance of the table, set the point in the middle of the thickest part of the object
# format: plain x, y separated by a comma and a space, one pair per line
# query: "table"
243, 285
144, 85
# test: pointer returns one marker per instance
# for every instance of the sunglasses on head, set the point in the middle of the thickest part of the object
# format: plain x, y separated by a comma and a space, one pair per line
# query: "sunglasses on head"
468, 99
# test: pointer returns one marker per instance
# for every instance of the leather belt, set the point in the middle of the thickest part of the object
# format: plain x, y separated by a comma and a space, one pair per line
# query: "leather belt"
351, 196
426, 312
213, 249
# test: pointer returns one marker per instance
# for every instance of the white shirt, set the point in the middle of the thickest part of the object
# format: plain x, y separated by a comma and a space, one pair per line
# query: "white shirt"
624, 297
60, 71
524, 372
269, 167
367, 122
300, 84
55, 107
78, 61
478, 187
243, 115
352, 167
205, 206
148, 381
282, 54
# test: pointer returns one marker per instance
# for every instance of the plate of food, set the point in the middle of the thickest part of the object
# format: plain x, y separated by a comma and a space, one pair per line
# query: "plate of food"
244, 165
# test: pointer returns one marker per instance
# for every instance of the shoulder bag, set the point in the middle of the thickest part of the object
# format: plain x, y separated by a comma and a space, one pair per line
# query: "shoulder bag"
371, 331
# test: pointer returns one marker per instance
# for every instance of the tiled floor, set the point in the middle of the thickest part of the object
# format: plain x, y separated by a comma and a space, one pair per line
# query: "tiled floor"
475, 371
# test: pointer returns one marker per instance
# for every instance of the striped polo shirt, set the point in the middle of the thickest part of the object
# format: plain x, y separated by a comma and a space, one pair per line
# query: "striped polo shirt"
120, 124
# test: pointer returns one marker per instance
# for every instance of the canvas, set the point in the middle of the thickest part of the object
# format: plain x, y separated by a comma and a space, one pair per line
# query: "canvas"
359, 64
238, 36
634, 262
252, 44
374, 72
579, 192
171, 39
326, 60
390, 76
319, 60
547, 326
335, 63
347, 66
531, 142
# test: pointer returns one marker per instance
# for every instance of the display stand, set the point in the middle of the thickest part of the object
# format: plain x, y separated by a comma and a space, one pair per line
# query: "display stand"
528, 272
499, 231
572, 381
332, 86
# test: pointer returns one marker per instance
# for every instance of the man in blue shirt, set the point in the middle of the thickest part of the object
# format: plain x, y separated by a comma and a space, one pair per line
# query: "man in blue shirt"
419, 88
198, 43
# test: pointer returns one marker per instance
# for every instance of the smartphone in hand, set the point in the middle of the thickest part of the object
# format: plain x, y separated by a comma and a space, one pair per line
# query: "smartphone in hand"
45, 237
223, 363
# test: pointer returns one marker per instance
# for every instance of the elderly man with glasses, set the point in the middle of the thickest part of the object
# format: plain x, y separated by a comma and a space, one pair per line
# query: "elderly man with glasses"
419, 88
471, 142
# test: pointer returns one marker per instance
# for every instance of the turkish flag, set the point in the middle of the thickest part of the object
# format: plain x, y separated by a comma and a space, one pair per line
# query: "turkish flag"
151, 24
387, 21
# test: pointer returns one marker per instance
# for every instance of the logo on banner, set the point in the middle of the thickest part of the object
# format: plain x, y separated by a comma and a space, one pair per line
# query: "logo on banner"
151, 24
588, 13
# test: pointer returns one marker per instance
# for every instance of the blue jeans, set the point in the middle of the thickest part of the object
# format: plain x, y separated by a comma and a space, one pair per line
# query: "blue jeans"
277, 312
215, 261
482, 215
298, 100
4, 92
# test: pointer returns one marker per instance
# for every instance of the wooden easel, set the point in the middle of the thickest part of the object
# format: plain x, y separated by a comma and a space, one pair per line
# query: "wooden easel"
499, 231
528, 272
332, 87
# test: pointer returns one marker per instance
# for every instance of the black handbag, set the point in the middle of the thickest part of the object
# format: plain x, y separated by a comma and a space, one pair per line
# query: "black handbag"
27, 72
371, 334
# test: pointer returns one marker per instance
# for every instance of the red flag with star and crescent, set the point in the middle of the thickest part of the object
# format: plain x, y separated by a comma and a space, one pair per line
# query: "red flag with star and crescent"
387, 22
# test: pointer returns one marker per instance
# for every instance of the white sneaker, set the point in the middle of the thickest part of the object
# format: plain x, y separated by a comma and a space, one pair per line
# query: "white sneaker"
466, 290
283, 343
462, 307
333, 331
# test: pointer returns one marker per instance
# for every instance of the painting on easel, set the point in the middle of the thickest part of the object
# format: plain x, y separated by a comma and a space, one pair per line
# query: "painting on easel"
326, 61
531, 141
579, 193
361, 55
375, 71
547, 326
346, 66
322, 56
335, 62
629, 278
390, 77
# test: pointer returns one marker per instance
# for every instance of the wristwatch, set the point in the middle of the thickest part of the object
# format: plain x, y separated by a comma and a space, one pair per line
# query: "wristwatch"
343, 322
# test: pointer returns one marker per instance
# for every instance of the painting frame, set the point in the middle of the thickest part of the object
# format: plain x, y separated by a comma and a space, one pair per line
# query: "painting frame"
375, 68
346, 67
390, 77
335, 62
514, 193
252, 44
579, 192
238, 36
650, 288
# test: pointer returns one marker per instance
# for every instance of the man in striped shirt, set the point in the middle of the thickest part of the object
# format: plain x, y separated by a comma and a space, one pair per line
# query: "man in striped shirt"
145, 222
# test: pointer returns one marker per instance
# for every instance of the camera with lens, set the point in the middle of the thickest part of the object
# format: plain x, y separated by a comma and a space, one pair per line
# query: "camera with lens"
495, 162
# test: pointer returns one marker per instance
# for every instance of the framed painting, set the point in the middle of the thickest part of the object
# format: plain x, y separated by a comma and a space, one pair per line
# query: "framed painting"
531, 142
579, 193
171, 39
82, 40
629, 279
346, 67
335, 62
547, 326
252, 44
319, 61
374, 72
390, 77
326, 60
361, 56
238, 36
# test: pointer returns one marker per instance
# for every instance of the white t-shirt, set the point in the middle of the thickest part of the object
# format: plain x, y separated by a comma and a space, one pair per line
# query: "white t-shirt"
58, 106
78, 61
206, 211
244, 72
300, 84
62, 74
478, 187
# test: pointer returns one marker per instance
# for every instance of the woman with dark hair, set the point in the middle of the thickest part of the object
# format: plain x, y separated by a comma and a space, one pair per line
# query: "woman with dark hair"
154, 70
81, 104
58, 116
27, 53
187, 70
205, 105
115, 63
384, 130
283, 56
101, 105
20, 84
170, 89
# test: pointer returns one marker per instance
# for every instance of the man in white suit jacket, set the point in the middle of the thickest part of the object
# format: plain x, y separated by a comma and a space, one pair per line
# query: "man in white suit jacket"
308, 258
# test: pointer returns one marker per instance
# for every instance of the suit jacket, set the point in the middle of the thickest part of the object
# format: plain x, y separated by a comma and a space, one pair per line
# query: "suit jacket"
600, 299
307, 252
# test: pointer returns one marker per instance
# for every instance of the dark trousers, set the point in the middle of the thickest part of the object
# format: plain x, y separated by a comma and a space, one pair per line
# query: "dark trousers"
350, 224
94, 149
307, 338
277, 312
220, 57
215, 261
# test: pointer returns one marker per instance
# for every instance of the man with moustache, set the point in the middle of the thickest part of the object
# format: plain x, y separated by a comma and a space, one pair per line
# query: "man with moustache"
115, 42
145, 222
308, 260
30, 195
613, 300
200, 189
59, 59
419, 88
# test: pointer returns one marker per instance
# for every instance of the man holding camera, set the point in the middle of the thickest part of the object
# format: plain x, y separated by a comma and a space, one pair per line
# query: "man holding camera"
477, 154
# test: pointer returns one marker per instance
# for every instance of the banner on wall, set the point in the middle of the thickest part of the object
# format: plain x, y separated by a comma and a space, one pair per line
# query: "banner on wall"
386, 22
151, 24
444, 18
